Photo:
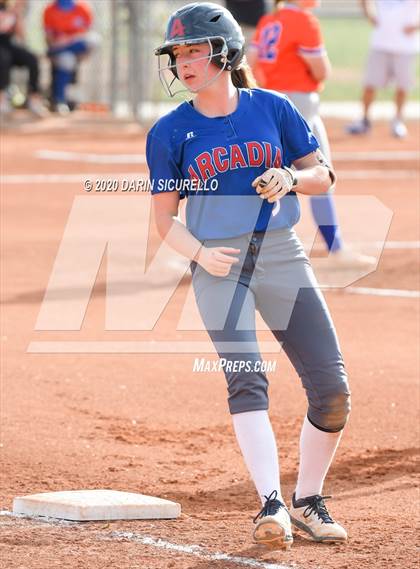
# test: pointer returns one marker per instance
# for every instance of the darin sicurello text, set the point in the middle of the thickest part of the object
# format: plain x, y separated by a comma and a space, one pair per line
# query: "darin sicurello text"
143, 185
184, 185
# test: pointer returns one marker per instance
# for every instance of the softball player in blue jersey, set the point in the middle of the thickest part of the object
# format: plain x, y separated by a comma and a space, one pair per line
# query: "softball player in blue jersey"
239, 155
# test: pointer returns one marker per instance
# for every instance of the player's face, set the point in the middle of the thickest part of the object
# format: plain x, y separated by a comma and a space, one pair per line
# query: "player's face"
193, 65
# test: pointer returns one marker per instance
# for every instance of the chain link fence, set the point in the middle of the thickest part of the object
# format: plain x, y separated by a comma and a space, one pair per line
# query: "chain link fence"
122, 72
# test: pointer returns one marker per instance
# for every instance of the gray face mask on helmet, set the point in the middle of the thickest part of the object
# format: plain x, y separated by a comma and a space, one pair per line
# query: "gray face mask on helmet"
200, 23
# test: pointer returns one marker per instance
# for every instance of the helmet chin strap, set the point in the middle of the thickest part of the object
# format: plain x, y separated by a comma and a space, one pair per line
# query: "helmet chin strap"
168, 85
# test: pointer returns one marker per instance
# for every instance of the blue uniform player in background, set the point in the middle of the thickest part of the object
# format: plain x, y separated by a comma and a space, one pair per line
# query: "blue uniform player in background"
230, 153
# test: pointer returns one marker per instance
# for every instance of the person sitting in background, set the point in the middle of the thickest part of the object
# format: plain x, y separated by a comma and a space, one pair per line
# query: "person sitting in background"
394, 44
67, 25
14, 54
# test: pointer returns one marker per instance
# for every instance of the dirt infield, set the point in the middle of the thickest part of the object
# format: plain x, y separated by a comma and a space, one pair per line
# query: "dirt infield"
148, 423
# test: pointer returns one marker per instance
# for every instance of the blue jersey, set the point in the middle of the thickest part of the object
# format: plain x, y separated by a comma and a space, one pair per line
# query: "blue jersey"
213, 161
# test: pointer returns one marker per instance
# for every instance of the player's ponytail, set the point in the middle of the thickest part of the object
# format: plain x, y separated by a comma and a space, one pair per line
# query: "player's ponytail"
243, 77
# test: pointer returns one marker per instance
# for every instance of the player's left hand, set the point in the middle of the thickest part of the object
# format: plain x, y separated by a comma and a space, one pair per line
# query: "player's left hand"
273, 184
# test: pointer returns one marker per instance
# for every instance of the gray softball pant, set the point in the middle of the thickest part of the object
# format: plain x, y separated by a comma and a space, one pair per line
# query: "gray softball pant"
273, 276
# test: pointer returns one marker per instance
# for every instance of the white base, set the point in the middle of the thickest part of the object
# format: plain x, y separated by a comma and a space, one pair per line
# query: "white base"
89, 505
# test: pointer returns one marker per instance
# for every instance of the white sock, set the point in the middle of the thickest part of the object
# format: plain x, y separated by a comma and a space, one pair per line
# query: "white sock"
258, 446
317, 449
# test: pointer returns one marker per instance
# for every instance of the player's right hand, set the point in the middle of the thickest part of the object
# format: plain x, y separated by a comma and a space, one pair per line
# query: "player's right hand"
217, 260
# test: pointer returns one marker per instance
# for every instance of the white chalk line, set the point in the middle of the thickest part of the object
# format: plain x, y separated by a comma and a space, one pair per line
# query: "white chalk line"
390, 292
377, 174
398, 244
74, 178
65, 156
376, 156
384, 292
92, 158
69, 178
195, 550
198, 551
364, 245
144, 347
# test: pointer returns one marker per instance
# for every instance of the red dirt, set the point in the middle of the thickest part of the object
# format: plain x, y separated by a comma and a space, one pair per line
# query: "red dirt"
147, 423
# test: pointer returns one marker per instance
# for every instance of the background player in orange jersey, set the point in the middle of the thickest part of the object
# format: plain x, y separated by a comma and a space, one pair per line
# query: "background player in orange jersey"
67, 25
287, 54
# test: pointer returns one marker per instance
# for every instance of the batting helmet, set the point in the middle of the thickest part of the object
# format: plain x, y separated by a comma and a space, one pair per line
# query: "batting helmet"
201, 22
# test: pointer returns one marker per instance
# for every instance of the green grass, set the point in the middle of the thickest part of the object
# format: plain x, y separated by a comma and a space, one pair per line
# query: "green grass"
347, 41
